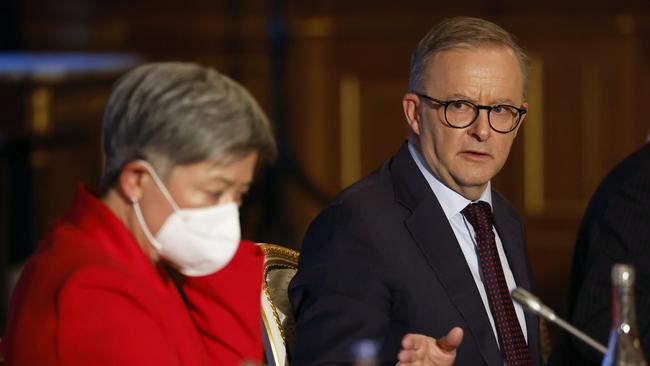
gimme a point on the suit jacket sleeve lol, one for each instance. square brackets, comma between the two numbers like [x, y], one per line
[620, 233]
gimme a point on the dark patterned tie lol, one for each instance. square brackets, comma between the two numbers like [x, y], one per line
[511, 338]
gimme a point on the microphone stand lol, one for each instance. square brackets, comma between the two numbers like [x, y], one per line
[532, 304]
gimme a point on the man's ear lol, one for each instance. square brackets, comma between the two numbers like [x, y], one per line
[131, 180]
[523, 118]
[410, 103]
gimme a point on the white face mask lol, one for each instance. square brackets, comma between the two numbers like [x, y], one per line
[197, 241]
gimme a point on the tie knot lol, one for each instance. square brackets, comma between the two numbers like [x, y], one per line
[479, 214]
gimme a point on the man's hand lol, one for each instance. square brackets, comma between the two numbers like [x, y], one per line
[420, 350]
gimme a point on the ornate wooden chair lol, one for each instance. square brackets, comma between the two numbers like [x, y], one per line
[280, 264]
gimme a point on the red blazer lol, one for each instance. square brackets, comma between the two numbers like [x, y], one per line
[90, 296]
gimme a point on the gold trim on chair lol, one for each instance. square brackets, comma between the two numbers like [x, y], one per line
[277, 257]
[267, 327]
[276, 317]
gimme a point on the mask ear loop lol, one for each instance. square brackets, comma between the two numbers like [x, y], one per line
[143, 224]
[160, 184]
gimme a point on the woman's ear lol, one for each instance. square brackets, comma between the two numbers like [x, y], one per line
[410, 102]
[131, 180]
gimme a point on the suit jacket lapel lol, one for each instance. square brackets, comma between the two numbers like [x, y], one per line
[510, 233]
[436, 240]
[509, 230]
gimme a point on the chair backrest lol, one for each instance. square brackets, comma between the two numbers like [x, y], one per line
[280, 265]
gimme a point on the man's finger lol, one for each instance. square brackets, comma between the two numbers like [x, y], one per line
[406, 356]
[412, 341]
[452, 340]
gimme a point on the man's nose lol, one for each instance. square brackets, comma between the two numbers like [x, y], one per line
[481, 127]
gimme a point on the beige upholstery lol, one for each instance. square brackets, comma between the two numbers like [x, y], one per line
[280, 264]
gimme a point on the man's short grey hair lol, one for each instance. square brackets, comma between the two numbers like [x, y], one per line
[174, 113]
[461, 32]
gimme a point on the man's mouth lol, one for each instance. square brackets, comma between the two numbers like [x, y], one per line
[475, 155]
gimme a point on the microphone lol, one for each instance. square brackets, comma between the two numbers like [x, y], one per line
[532, 304]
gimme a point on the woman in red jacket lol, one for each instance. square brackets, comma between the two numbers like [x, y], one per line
[182, 143]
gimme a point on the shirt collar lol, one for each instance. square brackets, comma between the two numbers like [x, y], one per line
[452, 202]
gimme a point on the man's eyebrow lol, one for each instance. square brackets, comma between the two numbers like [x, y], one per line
[459, 96]
[504, 101]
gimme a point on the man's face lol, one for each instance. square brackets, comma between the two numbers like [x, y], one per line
[465, 159]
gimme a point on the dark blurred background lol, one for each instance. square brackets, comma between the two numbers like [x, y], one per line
[330, 75]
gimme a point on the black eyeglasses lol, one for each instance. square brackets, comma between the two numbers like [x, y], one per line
[503, 118]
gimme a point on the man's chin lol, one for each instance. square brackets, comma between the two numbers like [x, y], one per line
[475, 175]
[473, 183]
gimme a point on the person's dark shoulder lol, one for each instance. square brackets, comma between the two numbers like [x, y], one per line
[635, 165]
[371, 190]
[358, 214]
[634, 169]
[369, 201]
[360, 223]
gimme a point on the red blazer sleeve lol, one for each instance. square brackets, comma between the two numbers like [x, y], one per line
[90, 296]
[106, 319]
[226, 308]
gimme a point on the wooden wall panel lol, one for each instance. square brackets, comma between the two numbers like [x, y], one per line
[594, 72]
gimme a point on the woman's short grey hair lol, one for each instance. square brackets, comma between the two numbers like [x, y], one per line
[461, 32]
[176, 113]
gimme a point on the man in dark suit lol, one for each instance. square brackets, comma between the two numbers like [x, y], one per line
[423, 245]
[615, 229]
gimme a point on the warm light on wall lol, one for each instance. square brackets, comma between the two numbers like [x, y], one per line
[350, 129]
[41, 101]
[591, 159]
[534, 140]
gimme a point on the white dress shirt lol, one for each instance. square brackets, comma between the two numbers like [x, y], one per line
[452, 204]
